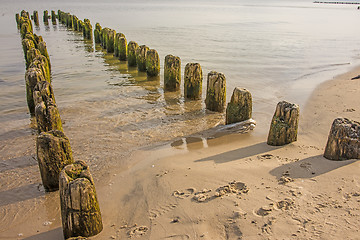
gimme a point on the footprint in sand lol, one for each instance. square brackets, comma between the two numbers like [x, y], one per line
[161, 210]
[285, 204]
[137, 231]
[184, 194]
[263, 211]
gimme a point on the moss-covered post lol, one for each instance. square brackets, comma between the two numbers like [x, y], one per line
[59, 14]
[31, 55]
[36, 18]
[43, 50]
[122, 48]
[53, 17]
[172, 73]
[284, 124]
[80, 211]
[42, 63]
[27, 45]
[116, 43]
[344, 140]
[240, 106]
[42, 91]
[152, 63]
[32, 77]
[131, 53]
[216, 92]
[87, 29]
[53, 154]
[141, 57]
[110, 40]
[97, 32]
[193, 78]
[47, 116]
[25, 29]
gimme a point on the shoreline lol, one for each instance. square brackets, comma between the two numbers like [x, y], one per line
[279, 192]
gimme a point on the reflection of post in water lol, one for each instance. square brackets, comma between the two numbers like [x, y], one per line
[89, 47]
[190, 143]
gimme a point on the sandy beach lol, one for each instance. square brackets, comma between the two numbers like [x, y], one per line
[207, 185]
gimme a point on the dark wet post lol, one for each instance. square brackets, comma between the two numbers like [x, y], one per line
[76, 23]
[87, 29]
[131, 53]
[32, 77]
[53, 17]
[240, 106]
[46, 16]
[141, 57]
[97, 32]
[80, 211]
[284, 125]
[122, 48]
[216, 92]
[193, 78]
[17, 17]
[36, 18]
[344, 140]
[172, 73]
[59, 15]
[53, 154]
[152, 63]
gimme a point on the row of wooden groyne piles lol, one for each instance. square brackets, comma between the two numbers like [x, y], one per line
[80, 210]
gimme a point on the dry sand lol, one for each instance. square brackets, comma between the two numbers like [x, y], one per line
[228, 187]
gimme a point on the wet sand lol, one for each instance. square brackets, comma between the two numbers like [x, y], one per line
[206, 185]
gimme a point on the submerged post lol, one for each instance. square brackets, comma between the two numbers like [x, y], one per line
[46, 16]
[152, 63]
[344, 140]
[216, 92]
[240, 106]
[80, 211]
[131, 53]
[284, 124]
[36, 18]
[172, 73]
[141, 57]
[53, 154]
[193, 78]
[53, 17]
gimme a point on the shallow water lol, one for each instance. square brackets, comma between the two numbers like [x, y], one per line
[276, 49]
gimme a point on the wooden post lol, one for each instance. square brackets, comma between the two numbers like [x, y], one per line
[131, 53]
[122, 49]
[172, 73]
[31, 55]
[53, 17]
[42, 63]
[216, 92]
[193, 78]
[344, 140]
[27, 45]
[80, 211]
[97, 32]
[36, 18]
[141, 57]
[152, 63]
[46, 16]
[116, 43]
[87, 29]
[240, 106]
[43, 50]
[284, 125]
[32, 77]
[53, 154]
[110, 40]
[17, 17]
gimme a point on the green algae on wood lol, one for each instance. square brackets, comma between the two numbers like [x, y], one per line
[152, 63]
[53, 154]
[47, 116]
[80, 211]
[344, 140]
[193, 78]
[42, 91]
[32, 77]
[43, 50]
[97, 32]
[131, 53]
[87, 31]
[17, 18]
[240, 106]
[31, 55]
[122, 49]
[284, 124]
[216, 92]
[172, 73]
[46, 16]
[141, 57]
[42, 63]
[27, 45]
[110, 40]
[116, 43]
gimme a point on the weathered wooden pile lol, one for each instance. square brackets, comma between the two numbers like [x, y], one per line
[79, 206]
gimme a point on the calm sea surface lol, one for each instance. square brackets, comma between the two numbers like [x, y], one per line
[278, 49]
